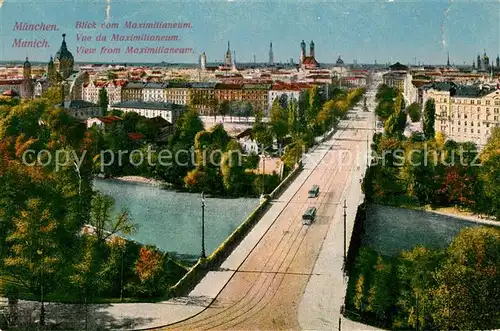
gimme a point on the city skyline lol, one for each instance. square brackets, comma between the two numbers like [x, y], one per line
[367, 32]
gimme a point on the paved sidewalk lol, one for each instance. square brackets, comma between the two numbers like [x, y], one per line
[325, 292]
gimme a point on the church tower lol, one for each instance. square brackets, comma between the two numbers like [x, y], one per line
[27, 69]
[203, 61]
[64, 61]
[51, 70]
[234, 62]
[271, 54]
[311, 49]
[27, 84]
[448, 61]
[486, 61]
[302, 51]
[228, 61]
[479, 63]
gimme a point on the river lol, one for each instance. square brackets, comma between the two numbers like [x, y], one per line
[172, 221]
[391, 230]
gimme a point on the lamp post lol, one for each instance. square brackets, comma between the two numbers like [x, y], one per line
[345, 234]
[203, 226]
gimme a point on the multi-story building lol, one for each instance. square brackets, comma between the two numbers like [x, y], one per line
[466, 113]
[133, 91]
[395, 80]
[154, 92]
[292, 91]
[228, 92]
[41, 85]
[82, 110]
[91, 91]
[257, 95]
[200, 94]
[178, 93]
[113, 89]
[168, 111]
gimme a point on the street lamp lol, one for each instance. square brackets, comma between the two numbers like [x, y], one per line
[345, 236]
[203, 226]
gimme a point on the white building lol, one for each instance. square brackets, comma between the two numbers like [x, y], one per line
[466, 113]
[113, 89]
[167, 111]
[292, 91]
[154, 92]
[81, 109]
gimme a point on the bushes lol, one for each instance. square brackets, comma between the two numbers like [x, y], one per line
[456, 288]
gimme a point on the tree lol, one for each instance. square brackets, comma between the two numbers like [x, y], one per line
[53, 95]
[293, 153]
[261, 133]
[103, 101]
[34, 257]
[104, 225]
[314, 106]
[414, 112]
[233, 169]
[429, 118]
[468, 286]
[278, 121]
[85, 277]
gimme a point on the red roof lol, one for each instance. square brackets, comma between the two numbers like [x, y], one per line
[136, 136]
[10, 93]
[109, 119]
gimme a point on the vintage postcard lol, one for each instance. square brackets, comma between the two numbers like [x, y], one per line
[249, 165]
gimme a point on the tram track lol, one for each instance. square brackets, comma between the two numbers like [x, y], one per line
[259, 294]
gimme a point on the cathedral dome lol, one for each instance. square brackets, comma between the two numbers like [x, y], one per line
[63, 53]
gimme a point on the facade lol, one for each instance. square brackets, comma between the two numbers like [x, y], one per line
[91, 91]
[228, 92]
[168, 111]
[133, 91]
[292, 91]
[202, 92]
[41, 85]
[113, 88]
[154, 92]
[81, 110]
[178, 93]
[74, 86]
[466, 113]
[257, 95]
[395, 80]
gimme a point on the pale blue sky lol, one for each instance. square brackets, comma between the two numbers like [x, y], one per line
[363, 30]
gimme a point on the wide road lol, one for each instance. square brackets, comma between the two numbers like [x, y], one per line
[266, 290]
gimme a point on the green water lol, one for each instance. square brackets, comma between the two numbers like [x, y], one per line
[391, 230]
[172, 221]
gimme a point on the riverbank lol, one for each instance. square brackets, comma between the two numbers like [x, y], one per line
[464, 215]
[140, 180]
